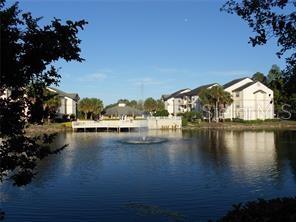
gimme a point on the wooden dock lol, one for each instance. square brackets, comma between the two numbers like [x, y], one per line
[109, 125]
[128, 125]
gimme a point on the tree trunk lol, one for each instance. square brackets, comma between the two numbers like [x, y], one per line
[216, 112]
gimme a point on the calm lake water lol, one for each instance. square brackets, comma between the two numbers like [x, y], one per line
[195, 174]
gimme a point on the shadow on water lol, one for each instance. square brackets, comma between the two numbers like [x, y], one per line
[152, 210]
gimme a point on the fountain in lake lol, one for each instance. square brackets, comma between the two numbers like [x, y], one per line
[144, 140]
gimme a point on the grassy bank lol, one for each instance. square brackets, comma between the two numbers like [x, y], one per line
[49, 128]
[281, 124]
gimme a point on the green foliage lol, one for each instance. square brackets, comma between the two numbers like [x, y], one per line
[259, 76]
[133, 103]
[150, 105]
[275, 19]
[215, 100]
[257, 121]
[160, 105]
[279, 209]
[268, 18]
[51, 104]
[27, 54]
[161, 113]
[72, 117]
[184, 122]
[126, 101]
[90, 107]
[277, 82]
[191, 116]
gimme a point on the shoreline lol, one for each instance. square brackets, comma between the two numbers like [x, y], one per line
[269, 125]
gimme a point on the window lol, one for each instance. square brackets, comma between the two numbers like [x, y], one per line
[237, 94]
[237, 106]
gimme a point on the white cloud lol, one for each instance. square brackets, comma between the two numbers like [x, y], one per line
[97, 76]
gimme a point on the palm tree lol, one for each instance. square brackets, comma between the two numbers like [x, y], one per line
[216, 99]
[52, 104]
[84, 107]
[96, 106]
[90, 106]
[150, 105]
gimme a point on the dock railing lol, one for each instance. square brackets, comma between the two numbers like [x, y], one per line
[158, 122]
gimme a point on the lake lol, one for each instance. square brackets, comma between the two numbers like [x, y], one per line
[193, 176]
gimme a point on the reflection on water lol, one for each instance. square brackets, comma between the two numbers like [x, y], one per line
[199, 174]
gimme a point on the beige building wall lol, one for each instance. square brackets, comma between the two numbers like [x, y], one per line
[251, 103]
[258, 102]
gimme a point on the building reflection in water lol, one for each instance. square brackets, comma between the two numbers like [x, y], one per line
[251, 154]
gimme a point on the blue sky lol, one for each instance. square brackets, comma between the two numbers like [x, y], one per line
[140, 49]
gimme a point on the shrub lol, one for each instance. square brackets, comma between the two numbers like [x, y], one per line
[237, 120]
[192, 116]
[72, 117]
[184, 121]
[161, 113]
[279, 209]
[65, 117]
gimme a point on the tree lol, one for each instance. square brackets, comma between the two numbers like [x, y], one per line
[160, 105]
[215, 101]
[125, 101]
[268, 19]
[140, 105]
[90, 107]
[259, 76]
[96, 107]
[27, 54]
[275, 75]
[275, 81]
[51, 105]
[133, 103]
[150, 105]
[273, 19]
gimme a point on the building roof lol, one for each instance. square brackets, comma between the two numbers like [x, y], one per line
[73, 96]
[226, 85]
[243, 87]
[165, 96]
[122, 111]
[197, 90]
[175, 94]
